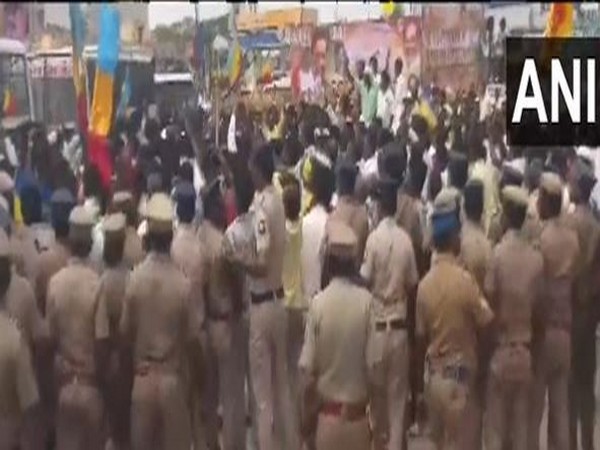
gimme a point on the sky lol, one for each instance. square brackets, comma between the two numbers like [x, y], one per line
[166, 13]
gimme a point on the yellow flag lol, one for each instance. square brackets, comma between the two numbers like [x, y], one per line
[102, 104]
[388, 8]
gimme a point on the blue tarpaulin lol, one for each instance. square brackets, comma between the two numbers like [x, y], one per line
[265, 40]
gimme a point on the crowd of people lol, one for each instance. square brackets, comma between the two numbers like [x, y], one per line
[344, 275]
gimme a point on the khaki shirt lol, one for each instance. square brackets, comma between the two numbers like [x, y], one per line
[353, 214]
[270, 239]
[111, 295]
[27, 244]
[475, 251]
[335, 342]
[532, 226]
[408, 216]
[514, 285]
[50, 262]
[133, 252]
[158, 318]
[74, 317]
[587, 228]
[21, 306]
[18, 388]
[223, 282]
[189, 254]
[450, 310]
[390, 268]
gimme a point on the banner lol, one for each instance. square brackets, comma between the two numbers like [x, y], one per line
[452, 42]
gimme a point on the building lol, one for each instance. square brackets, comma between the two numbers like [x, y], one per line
[134, 19]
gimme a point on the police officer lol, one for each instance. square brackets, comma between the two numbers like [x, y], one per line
[111, 294]
[133, 252]
[50, 262]
[347, 208]
[18, 389]
[513, 285]
[585, 310]
[334, 358]
[552, 349]
[76, 323]
[159, 326]
[268, 352]
[450, 312]
[188, 253]
[390, 270]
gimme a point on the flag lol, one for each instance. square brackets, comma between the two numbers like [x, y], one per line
[125, 95]
[560, 21]
[235, 58]
[78, 33]
[9, 108]
[102, 101]
[559, 25]
[388, 8]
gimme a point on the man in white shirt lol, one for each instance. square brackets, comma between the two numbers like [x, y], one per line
[321, 186]
[385, 101]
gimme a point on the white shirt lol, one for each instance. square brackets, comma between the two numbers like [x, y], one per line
[368, 167]
[313, 232]
[231, 145]
[400, 90]
[385, 107]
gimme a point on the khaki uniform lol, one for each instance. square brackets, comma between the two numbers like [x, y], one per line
[133, 253]
[353, 214]
[268, 328]
[335, 358]
[160, 323]
[409, 212]
[450, 310]
[228, 329]
[552, 354]
[18, 390]
[28, 243]
[585, 320]
[76, 322]
[188, 254]
[391, 270]
[532, 226]
[20, 304]
[50, 262]
[513, 286]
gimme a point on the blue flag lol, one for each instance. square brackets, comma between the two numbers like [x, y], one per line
[125, 95]
[109, 40]
[78, 27]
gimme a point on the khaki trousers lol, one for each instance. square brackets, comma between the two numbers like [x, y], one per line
[451, 409]
[335, 433]
[79, 418]
[275, 412]
[389, 356]
[226, 376]
[295, 340]
[551, 375]
[160, 416]
[507, 411]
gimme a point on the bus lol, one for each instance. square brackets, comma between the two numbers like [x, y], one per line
[54, 90]
[173, 91]
[15, 86]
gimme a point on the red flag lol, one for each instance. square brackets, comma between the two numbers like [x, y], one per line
[99, 155]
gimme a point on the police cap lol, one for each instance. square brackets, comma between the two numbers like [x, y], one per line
[159, 213]
[81, 222]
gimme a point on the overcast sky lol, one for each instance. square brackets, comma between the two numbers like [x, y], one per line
[165, 13]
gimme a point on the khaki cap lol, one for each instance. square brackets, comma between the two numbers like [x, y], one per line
[81, 222]
[6, 182]
[446, 201]
[114, 225]
[551, 183]
[341, 240]
[5, 248]
[159, 213]
[122, 199]
[516, 195]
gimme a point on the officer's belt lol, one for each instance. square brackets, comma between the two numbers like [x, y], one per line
[219, 316]
[457, 372]
[73, 373]
[392, 324]
[563, 325]
[524, 344]
[268, 296]
[144, 368]
[347, 411]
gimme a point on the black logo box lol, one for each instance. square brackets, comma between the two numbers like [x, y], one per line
[529, 131]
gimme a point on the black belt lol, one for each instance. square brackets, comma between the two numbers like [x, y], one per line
[258, 298]
[394, 324]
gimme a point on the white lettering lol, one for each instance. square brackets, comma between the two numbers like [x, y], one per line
[559, 83]
[524, 101]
